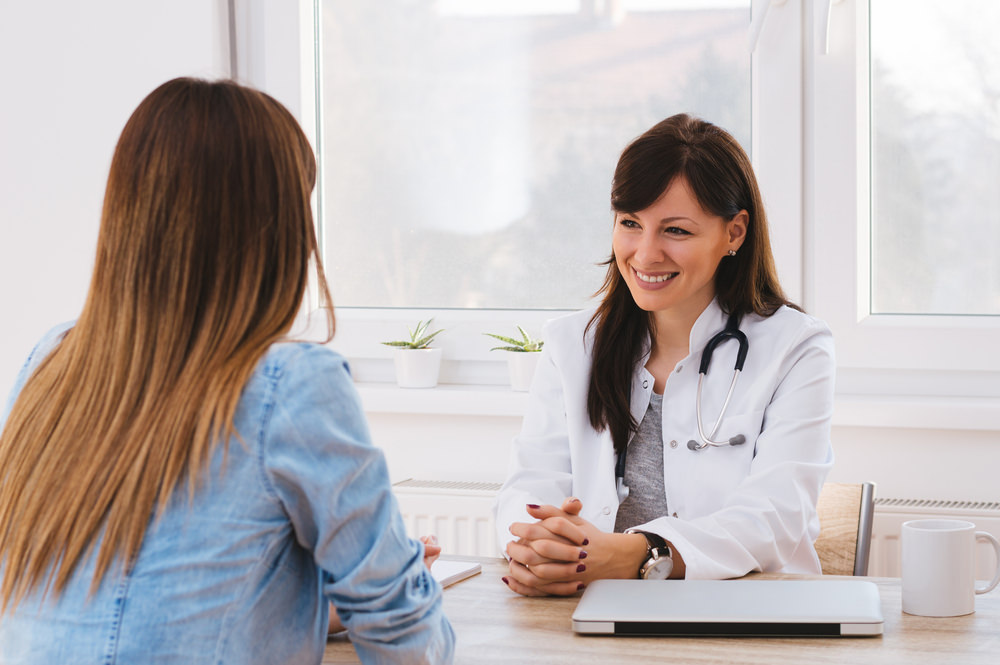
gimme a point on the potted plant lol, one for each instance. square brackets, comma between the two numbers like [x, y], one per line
[522, 357]
[417, 365]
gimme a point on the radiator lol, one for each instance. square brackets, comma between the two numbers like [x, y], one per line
[460, 514]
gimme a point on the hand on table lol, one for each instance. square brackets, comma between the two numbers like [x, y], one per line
[562, 552]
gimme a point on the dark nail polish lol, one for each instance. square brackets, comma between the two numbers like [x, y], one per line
[505, 581]
[586, 541]
[581, 586]
[583, 555]
[533, 505]
[581, 568]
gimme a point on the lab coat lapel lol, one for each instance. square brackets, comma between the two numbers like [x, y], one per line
[642, 387]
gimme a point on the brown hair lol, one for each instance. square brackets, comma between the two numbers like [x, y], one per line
[722, 179]
[202, 263]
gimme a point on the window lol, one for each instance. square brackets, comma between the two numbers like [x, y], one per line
[935, 148]
[857, 189]
[552, 90]
[468, 149]
[902, 222]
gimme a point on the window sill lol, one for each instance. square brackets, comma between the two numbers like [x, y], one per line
[907, 412]
[445, 399]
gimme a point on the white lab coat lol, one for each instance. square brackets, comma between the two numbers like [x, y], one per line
[733, 509]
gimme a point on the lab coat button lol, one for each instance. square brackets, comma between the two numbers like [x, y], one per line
[645, 384]
[607, 510]
[679, 368]
[673, 444]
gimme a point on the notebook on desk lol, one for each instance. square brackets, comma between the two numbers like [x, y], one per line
[732, 608]
[449, 571]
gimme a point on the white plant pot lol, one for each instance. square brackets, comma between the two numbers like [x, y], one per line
[417, 368]
[522, 368]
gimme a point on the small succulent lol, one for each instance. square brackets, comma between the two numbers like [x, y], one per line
[525, 344]
[419, 337]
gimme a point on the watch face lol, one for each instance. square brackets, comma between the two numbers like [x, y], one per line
[659, 569]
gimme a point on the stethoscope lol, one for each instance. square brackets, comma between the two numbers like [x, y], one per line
[731, 331]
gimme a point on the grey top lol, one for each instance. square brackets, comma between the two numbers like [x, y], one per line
[646, 498]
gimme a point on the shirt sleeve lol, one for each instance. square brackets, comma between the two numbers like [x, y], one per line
[540, 468]
[769, 521]
[335, 487]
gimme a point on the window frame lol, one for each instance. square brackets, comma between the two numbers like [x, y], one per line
[941, 354]
[776, 112]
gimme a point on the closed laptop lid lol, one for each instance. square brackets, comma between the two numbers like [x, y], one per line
[752, 608]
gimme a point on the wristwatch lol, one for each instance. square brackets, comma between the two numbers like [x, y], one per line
[658, 564]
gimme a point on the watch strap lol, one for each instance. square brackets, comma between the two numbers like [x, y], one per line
[656, 549]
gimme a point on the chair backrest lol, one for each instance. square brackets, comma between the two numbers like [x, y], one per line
[845, 527]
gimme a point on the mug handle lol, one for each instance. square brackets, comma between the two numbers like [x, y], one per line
[982, 535]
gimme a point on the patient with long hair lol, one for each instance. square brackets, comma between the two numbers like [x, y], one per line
[180, 481]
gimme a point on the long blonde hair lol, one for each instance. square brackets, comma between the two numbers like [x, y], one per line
[202, 262]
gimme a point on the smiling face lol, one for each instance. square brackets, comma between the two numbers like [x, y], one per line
[669, 252]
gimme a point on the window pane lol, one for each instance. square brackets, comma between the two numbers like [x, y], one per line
[935, 72]
[468, 146]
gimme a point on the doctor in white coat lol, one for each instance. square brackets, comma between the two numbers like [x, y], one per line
[613, 475]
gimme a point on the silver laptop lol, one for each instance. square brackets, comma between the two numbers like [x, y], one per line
[732, 608]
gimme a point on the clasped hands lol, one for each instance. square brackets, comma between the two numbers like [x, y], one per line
[562, 552]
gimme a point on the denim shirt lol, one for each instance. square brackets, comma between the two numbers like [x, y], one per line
[300, 513]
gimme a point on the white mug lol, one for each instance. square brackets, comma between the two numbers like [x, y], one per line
[939, 558]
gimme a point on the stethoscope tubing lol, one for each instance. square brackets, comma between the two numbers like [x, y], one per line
[709, 440]
[731, 331]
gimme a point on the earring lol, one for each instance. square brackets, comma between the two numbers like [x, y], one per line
[732, 252]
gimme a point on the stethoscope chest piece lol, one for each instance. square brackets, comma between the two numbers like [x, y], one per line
[734, 441]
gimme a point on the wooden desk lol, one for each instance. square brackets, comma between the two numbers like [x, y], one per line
[494, 625]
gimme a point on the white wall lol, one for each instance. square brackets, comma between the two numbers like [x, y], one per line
[72, 73]
[920, 463]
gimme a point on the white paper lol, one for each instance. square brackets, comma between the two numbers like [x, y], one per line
[448, 572]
